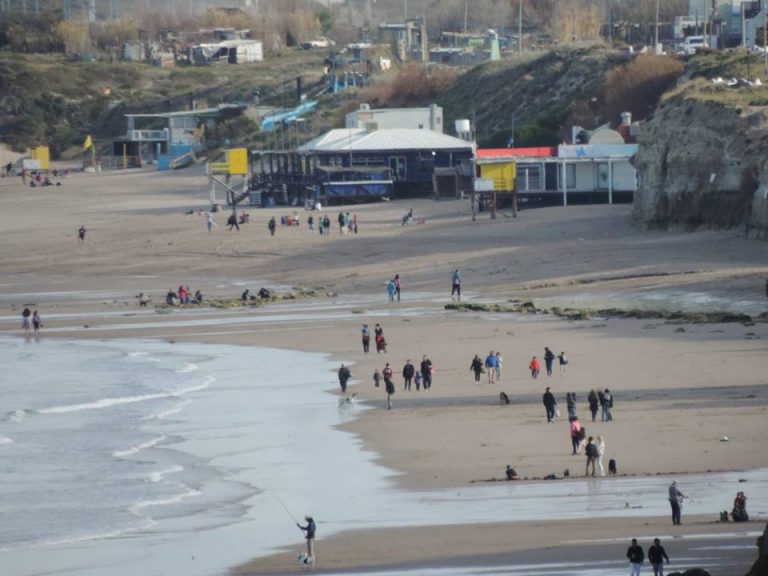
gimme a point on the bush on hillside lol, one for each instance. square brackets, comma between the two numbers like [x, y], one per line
[31, 33]
[638, 85]
[413, 86]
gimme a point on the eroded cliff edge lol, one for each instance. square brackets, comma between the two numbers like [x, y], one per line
[704, 162]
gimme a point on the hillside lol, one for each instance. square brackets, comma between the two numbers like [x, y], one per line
[47, 99]
[539, 92]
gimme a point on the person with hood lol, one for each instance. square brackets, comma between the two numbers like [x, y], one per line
[310, 529]
[344, 376]
[656, 556]
[550, 404]
[408, 372]
[456, 285]
[477, 367]
[549, 359]
[636, 557]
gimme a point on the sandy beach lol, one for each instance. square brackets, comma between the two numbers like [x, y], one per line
[679, 387]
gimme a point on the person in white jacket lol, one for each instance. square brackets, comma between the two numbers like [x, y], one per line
[600, 454]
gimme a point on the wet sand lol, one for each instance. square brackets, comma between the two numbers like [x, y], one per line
[678, 387]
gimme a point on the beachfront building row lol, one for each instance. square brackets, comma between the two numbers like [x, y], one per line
[358, 165]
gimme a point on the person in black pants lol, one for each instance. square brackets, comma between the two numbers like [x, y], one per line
[676, 502]
[408, 372]
[477, 368]
[550, 404]
[549, 359]
[426, 372]
[656, 556]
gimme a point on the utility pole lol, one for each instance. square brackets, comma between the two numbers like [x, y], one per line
[765, 38]
[656, 33]
[520, 28]
[466, 14]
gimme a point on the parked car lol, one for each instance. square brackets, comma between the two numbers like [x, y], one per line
[691, 45]
[319, 42]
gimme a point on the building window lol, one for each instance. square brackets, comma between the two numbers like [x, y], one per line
[602, 176]
[570, 176]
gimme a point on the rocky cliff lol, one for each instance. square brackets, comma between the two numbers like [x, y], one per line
[704, 161]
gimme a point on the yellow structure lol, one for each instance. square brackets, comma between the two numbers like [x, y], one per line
[43, 155]
[235, 163]
[503, 175]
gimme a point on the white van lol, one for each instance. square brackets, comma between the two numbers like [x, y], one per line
[691, 45]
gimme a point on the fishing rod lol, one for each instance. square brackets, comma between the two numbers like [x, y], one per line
[282, 504]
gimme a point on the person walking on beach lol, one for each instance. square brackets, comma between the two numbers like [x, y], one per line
[570, 402]
[417, 380]
[563, 361]
[388, 384]
[534, 367]
[549, 359]
[426, 372]
[209, 221]
[378, 336]
[310, 529]
[81, 234]
[344, 376]
[656, 556]
[36, 322]
[600, 454]
[550, 404]
[456, 285]
[490, 367]
[376, 377]
[607, 405]
[499, 360]
[25, 315]
[398, 285]
[391, 290]
[232, 222]
[594, 403]
[477, 367]
[272, 225]
[636, 557]
[676, 503]
[592, 455]
[575, 435]
[408, 372]
[366, 335]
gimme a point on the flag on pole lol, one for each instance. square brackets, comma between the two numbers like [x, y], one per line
[88, 142]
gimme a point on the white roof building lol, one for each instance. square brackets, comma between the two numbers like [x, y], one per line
[399, 139]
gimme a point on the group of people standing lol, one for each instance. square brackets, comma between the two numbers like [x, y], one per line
[421, 378]
[491, 366]
[549, 363]
[393, 288]
[378, 336]
[656, 556]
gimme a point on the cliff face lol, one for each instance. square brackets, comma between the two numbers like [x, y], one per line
[703, 163]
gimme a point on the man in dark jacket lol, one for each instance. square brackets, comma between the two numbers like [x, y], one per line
[550, 404]
[636, 557]
[344, 376]
[408, 372]
[426, 372]
[656, 556]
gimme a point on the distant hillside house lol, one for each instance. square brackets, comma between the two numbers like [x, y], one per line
[430, 118]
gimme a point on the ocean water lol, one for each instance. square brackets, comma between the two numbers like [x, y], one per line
[145, 457]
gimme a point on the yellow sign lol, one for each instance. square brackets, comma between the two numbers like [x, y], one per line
[88, 142]
[235, 163]
[503, 175]
[43, 156]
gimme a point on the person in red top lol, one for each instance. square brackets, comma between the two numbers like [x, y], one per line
[534, 367]
[575, 434]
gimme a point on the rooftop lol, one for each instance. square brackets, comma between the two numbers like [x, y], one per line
[360, 139]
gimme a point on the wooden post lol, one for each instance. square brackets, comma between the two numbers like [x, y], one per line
[125, 156]
[493, 204]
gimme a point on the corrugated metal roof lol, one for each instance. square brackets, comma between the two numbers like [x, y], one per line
[361, 140]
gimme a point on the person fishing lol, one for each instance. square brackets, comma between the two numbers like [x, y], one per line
[310, 529]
